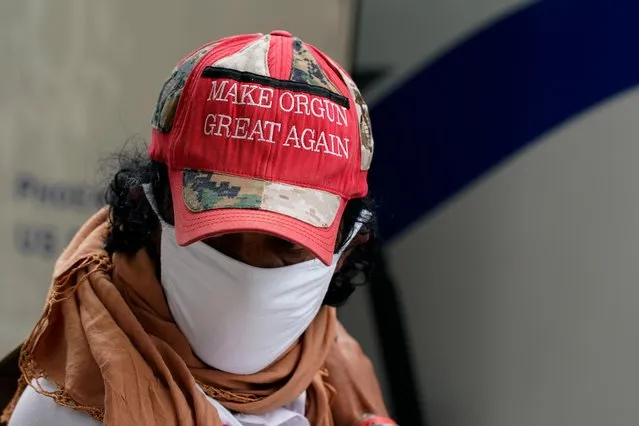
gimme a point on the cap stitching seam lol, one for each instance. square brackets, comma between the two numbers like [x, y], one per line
[280, 224]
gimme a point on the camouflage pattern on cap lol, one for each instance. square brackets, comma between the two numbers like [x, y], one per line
[164, 112]
[252, 58]
[306, 69]
[365, 128]
[205, 191]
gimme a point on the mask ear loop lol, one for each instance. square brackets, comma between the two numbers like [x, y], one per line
[148, 192]
[364, 216]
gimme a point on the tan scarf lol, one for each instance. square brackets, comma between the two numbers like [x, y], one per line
[109, 343]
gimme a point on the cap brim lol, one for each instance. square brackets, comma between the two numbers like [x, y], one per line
[193, 226]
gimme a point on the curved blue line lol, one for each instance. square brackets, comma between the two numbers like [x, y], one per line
[492, 95]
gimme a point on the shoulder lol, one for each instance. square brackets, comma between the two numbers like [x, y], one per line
[34, 409]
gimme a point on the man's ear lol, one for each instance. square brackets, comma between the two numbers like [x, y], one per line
[359, 239]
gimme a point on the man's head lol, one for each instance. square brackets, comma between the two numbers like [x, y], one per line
[260, 148]
[262, 135]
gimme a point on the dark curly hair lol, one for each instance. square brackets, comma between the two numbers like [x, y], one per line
[135, 224]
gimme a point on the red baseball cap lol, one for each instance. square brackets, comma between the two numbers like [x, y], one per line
[262, 133]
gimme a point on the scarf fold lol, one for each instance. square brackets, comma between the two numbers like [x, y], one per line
[108, 341]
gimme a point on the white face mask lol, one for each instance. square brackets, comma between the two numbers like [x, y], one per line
[239, 318]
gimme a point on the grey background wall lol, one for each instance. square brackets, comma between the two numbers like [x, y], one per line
[519, 289]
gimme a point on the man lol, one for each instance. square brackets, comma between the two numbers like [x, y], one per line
[202, 295]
